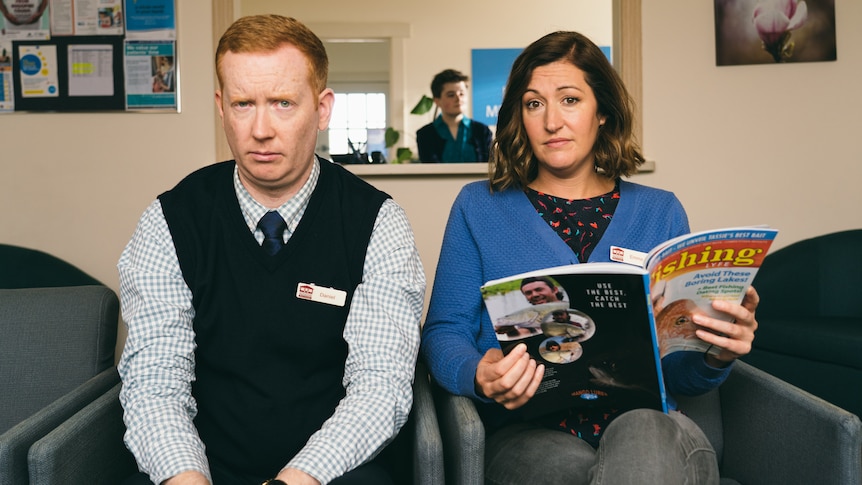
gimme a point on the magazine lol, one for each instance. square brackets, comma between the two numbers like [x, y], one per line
[688, 272]
[600, 329]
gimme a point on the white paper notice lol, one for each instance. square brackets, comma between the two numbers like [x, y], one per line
[91, 70]
[38, 67]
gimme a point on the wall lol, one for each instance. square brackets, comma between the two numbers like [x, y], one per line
[74, 185]
[748, 144]
[771, 144]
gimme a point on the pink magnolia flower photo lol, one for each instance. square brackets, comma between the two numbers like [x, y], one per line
[774, 31]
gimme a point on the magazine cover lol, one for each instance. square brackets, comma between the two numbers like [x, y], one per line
[689, 272]
[592, 327]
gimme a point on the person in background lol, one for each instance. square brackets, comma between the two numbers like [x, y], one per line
[557, 196]
[452, 136]
[236, 278]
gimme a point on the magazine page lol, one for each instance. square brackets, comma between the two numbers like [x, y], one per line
[591, 326]
[689, 272]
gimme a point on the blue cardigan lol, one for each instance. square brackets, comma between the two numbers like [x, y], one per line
[494, 235]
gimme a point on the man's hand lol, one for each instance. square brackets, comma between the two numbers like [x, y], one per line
[511, 380]
[292, 476]
[734, 338]
[187, 478]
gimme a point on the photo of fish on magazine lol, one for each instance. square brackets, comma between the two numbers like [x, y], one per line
[591, 326]
[689, 272]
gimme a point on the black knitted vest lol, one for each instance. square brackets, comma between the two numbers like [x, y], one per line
[268, 364]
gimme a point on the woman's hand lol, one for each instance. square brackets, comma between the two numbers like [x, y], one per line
[510, 380]
[733, 338]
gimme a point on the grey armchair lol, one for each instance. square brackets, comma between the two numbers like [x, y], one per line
[427, 444]
[810, 317]
[88, 447]
[416, 455]
[56, 355]
[764, 430]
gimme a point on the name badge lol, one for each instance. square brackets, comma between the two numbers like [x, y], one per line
[312, 292]
[629, 256]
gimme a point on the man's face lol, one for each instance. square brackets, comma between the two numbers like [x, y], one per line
[271, 116]
[453, 98]
[539, 292]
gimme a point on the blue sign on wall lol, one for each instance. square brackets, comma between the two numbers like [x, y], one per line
[490, 71]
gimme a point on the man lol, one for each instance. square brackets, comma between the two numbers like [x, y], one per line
[452, 137]
[236, 280]
[539, 290]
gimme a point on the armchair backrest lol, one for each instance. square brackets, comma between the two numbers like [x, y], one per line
[51, 341]
[31, 268]
[821, 276]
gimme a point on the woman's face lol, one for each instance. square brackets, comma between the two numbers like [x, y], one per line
[561, 118]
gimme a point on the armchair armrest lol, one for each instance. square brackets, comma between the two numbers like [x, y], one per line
[427, 444]
[15, 443]
[87, 448]
[773, 429]
[463, 435]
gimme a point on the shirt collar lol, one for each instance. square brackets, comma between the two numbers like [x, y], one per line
[443, 129]
[438, 122]
[291, 211]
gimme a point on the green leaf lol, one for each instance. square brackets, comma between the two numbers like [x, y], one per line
[403, 154]
[423, 106]
[391, 137]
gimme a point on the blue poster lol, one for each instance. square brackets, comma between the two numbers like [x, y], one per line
[490, 72]
[149, 15]
[150, 75]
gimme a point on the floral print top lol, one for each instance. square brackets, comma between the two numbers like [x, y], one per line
[579, 222]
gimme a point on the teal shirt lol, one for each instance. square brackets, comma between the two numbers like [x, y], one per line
[459, 148]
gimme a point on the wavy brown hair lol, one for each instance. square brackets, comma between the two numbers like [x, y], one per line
[267, 33]
[616, 152]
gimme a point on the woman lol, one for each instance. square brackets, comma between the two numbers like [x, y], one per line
[555, 196]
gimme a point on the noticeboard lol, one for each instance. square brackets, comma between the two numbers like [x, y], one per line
[79, 55]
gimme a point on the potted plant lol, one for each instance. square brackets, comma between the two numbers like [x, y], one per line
[392, 135]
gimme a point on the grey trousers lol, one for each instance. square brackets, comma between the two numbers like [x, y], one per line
[642, 446]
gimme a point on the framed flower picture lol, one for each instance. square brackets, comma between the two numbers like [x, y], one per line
[774, 31]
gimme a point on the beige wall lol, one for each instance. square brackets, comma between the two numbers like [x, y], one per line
[74, 185]
[771, 144]
[739, 145]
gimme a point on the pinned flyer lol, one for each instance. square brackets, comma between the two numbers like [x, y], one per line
[312, 292]
[38, 68]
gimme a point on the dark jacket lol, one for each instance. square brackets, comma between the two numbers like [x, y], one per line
[431, 144]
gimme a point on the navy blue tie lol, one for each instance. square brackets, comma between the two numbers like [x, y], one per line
[273, 227]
